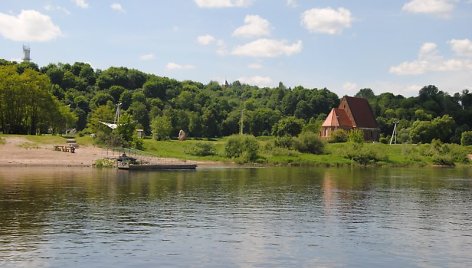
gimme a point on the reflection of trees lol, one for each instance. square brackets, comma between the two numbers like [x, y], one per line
[37, 204]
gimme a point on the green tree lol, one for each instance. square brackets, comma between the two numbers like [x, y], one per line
[161, 127]
[288, 126]
[466, 138]
[26, 105]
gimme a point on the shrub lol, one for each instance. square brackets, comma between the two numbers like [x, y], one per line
[443, 160]
[284, 142]
[364, 155]
[104, 163]
[202, 149]
[339, 135]
[466, 138]
[309, 142]
[244, 147]
[356, 136]
[384, 140]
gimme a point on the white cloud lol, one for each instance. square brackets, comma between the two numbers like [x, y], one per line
[254, 26]
[221, 48]
[81, 3]
[223, 3]
[205, 39]
[50, 7]
[117, 7]
[429, 60]
[268, 48]
[29, 25]
[147, 57]
[175, 66]
[327, 20]
[350, 87]
[462, 47]
[255, 66]
[261, 81]
[292, 3]
[436, 7]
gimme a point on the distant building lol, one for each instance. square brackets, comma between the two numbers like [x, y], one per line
[352, 113]
[140, 133]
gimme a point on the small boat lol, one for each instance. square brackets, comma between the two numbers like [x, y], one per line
[131, 163]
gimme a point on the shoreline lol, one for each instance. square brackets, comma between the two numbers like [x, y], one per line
[20, 152]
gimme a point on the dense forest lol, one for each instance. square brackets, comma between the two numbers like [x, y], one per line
[58, 97]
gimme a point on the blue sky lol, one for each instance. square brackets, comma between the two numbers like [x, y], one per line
[396, 45]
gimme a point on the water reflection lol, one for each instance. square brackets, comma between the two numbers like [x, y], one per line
[236, 217]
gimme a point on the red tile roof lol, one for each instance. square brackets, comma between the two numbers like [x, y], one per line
[337, 118]
[361, 112]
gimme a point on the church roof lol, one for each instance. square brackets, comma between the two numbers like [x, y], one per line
[361, 112]
[337, 118]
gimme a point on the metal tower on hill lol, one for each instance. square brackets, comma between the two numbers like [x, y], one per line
[26, 53]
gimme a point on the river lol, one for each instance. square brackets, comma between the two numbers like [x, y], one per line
[236, 217]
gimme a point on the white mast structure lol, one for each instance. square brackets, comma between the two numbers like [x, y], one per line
[393, 139]
[26, 53]
[116, 120]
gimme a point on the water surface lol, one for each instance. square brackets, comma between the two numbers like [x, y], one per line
[267, 217]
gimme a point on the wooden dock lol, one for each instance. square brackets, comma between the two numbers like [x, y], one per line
[158, 167]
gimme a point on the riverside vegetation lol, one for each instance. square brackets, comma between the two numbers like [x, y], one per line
[305, 150]
[282, 124]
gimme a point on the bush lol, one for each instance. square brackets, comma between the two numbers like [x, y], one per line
[339, 135]
[466, 138]
[309, 142]
[284, 142]
[364, 155]
[356, 136]
[384, 140]
[443, 160]
[104, 163]
[202, 149]
[243, 147]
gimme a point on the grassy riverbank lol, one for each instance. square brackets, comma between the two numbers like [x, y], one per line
[335, 154]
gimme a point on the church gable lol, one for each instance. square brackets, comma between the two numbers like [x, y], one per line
[352, 113]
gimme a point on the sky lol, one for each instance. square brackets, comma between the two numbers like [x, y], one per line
[395, 46]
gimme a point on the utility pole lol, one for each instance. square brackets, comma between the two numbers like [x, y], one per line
[241, 122]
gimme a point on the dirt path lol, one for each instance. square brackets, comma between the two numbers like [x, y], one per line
[19, 151]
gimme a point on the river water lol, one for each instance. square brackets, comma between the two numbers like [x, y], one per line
[266, 217]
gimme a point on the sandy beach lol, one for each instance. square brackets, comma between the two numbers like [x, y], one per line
[18, 151]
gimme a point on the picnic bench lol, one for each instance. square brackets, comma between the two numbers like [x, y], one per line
[64, 148]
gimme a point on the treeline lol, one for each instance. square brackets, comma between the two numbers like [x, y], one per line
[162, 106]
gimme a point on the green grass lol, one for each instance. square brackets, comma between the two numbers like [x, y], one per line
[33, 140]
[392, 155]
[177, 149]
[45, 139]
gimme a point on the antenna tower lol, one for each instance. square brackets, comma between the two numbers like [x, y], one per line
[26, 53]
